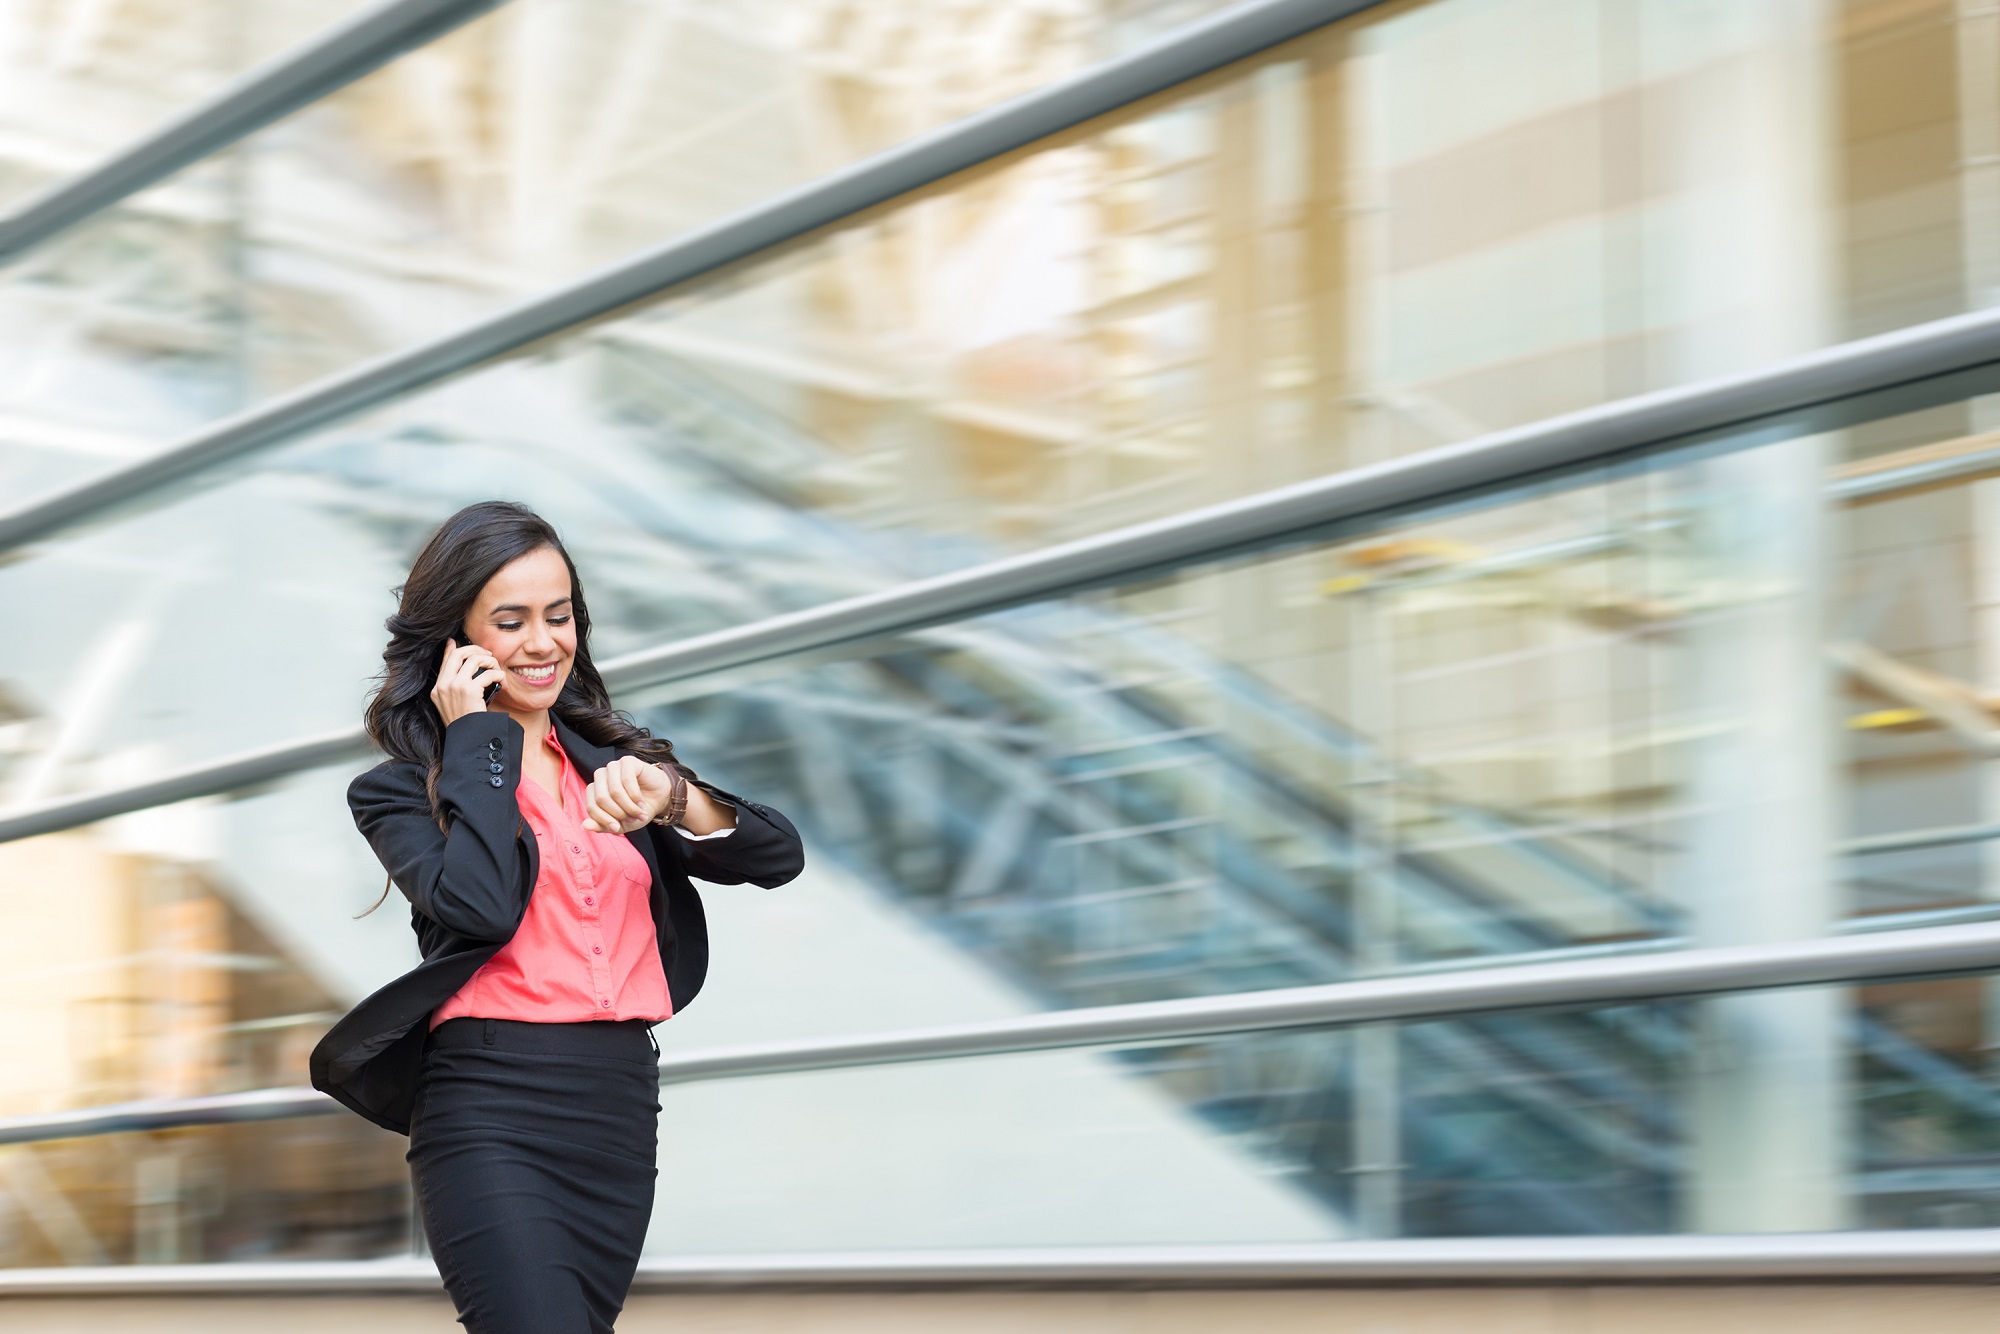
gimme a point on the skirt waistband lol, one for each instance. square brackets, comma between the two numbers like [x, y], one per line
[621, 1039]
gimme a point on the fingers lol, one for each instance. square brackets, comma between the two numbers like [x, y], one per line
[462, 679]
[614, 800]
[597, 812]
[621, 787]
[472, 659]
[464, 665]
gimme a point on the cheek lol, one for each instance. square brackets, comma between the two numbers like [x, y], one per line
[494, 642]
[566, 641]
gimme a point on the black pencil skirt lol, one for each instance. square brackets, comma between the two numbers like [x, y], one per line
[532, 1150]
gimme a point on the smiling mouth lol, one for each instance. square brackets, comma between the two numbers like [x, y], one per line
[535, 676]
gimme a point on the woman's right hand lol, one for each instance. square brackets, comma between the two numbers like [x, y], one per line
[462, 681]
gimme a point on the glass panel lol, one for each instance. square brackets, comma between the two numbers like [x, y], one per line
[820, 426]
[79, 82]
[1279, 273]
[203, 948]
[1629, 1119]
[1911, 637]
[320, 1188]
[533, 144]
[194, 949]
[1582, 713]
[1736, 694]
[1611, 1120]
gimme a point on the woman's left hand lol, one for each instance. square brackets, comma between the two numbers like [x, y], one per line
[625, 795]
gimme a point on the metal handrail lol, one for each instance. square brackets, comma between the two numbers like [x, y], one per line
[1911, 840]
[1595, 981]
[229, 775]
[215, 1109]
[272, 91]
[1187, 53]
[1964, 1254]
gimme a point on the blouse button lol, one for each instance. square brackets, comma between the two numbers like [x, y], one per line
[605, 1003]
[574, 848]
[597, 949]
[589, 900]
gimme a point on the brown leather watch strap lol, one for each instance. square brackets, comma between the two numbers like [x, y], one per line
[677, 800]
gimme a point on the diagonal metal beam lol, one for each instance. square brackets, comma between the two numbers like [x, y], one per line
[1599, 980]
[1613, 979]
[1187, 53]
[268, 93]
[231, 775]
[213, 1109]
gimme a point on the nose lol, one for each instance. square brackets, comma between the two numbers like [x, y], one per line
[540, 642]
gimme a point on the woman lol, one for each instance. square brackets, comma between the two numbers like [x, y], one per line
[545, 844]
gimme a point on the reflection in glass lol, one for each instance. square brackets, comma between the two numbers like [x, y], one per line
[1740, 697]
[533, 144]
[136, 966]
[1534, 1124]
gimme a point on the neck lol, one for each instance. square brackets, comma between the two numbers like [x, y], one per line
[535, 724]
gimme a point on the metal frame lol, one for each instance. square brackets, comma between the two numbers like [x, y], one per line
[1966, 1254]
[1284, 515]
[1185, 54]
[1599, 980]
[268, 93]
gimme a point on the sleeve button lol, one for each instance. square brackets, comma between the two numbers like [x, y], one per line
[495, 780]
[496, 768]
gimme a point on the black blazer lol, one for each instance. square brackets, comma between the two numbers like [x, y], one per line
[468, 890]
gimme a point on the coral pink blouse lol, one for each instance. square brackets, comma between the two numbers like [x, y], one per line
[587, 947]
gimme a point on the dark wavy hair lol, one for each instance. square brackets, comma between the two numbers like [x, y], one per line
[468, 549]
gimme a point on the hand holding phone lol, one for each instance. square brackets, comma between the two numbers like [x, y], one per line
[468, 677]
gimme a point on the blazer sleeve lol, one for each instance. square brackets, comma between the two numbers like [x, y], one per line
[472, 877]
[764, 849]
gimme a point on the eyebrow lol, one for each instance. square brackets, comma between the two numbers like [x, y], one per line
[517, 606]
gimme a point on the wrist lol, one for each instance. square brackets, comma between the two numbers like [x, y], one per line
[677, 796]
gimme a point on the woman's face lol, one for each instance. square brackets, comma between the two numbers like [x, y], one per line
[523, 618]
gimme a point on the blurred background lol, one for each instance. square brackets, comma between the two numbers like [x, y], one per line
[1735, 691]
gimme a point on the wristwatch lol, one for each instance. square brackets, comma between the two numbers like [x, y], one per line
[677, 800]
